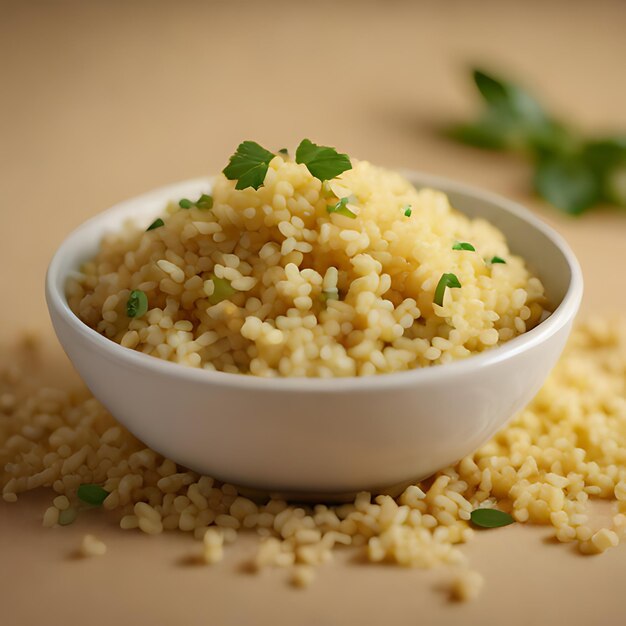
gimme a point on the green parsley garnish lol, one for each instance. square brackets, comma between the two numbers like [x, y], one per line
[490, 518]
[446, 280]
[67, 516]
[248, 165]
[158, 222]
[137, 304]
[330, 295]
[407, 210]
[203, 202]
[341, 209]
[463, 245]
[222, 290]
[323, 162]
[92, 494]
[572, 172]
[496, 259]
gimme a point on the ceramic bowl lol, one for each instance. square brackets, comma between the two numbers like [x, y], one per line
[332, 436]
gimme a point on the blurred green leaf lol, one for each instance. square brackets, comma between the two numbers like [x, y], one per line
[567, 183]
[614, 187]
[508, 97]
[572, 173]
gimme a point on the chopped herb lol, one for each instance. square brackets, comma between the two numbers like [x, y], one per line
[463, 245]
[137, 304]
[490, 518]
[330, 295]
[67, 516]
[446, 280]
[92, 494]
[496, 259]
[158, 222]
[323, 162]
[204, 202]
[407, 210]
[221, 291]
[284, 151]
[341, 209]
[248, 165]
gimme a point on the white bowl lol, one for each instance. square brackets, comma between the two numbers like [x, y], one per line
[301, 435]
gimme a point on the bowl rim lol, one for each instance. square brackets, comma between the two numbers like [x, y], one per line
[562, 315]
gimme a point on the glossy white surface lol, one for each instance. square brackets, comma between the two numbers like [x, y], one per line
[318, 435]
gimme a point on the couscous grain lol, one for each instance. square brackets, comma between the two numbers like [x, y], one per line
[304, 278]
[566, 449]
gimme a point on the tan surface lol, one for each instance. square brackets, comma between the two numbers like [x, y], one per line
[102, 101]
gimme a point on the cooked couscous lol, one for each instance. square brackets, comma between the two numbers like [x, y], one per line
[298, 275]
[566, 449]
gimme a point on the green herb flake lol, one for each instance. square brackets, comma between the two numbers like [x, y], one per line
[463, 245]
[323, 162]
[490, 518]
[284, 151]
[407, 210]
[446, 280]
[330, 295]
[248, 165]
[156, 224]
[496, 259]
[92, 494]
[204, 202]
[137, 304]
[68, 516]
[221, 291]
[341, 209]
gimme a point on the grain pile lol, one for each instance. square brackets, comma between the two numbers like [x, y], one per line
[304, 278]
[565, 450]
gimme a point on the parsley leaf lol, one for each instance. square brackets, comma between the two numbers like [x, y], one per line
[341, 209]
[490, 518]
[407, 210]
[221, 291]
[496, 259]
[323, 162]
[567, 183]
[248, 165]
[463, 245]
[572, 172]
[137, 304]
[92, 494]
[203, 202]
[158, 222]
[446, 280]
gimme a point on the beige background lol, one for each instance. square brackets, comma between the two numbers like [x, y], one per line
[101, 101]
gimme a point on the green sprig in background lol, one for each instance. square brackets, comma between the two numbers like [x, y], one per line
[573, 172]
